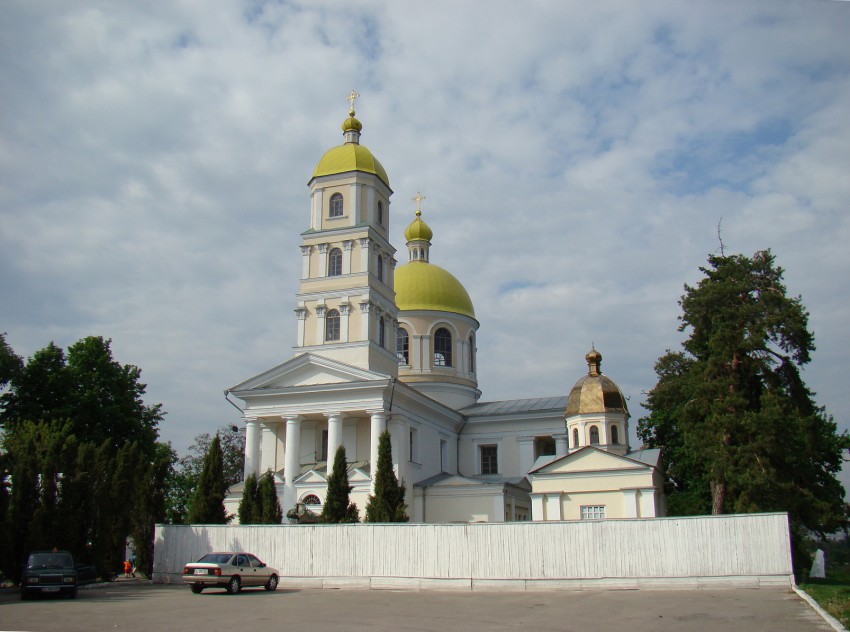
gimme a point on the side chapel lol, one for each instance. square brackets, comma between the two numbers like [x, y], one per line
[386, 347]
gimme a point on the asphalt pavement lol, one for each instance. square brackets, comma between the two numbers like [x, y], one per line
[137, 604]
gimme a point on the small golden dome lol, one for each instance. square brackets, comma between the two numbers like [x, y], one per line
[595, 393]
[351, 123]
[418, 230]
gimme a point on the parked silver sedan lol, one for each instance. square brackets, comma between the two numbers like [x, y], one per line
[231, 571]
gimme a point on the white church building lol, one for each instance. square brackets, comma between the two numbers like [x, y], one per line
[386, 347]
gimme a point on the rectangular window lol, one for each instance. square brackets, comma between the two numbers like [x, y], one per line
[593, 512]
[489, 459]
[414, 445]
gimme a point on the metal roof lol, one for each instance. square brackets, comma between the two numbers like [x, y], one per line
[512, 406]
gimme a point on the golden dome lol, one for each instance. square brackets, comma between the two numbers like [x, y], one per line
[350, 157]
[418, 230]
[420, 285]
[595, 393]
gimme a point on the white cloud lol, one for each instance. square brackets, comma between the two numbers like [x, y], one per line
[577, 161]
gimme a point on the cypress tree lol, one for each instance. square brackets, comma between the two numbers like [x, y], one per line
[249, 510]
[208, 500]
[337, 507]
[387, 504]
[269, 504]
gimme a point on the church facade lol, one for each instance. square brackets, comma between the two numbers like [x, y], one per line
[381, 346]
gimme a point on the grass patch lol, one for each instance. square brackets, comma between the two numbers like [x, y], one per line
[832, 593]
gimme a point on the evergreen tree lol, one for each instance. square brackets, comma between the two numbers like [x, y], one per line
[337, 507]
[208, 500]
[150, 504]
[249, 509]
[739, 429]
[387, 504]
[270, 510]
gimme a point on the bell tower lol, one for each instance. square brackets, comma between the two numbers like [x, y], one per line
[346, 300]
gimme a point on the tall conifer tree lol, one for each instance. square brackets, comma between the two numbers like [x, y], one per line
[337, 507]
[387, 504]
[208, 501]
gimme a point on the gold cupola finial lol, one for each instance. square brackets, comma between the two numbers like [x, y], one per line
[351, 98]
[351, 126]
[418, 199]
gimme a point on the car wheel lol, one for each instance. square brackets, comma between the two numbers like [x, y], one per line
[72, 595]
[25, 596]
[272, 583]
[197, 589]
[234, 586]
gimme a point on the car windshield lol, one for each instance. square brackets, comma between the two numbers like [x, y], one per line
[216, 558]
[50, 560]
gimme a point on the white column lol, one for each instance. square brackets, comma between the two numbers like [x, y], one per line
[323, 260]
[355, 202]
[647, 502]
[553, 506]
[379, 424]
[346, 256]
[301, 315]
[252, 446]
[537, 507]
[396, 428]
[365, 319]
[391, 280]
[292, 460]
[334, 435]
[268, 454]
[318, 203]
[562, 445]
[305, 261]
[425, 355]
[371, 206]
[344, 310]
[320, 324]
[526, 454]
[365, 247]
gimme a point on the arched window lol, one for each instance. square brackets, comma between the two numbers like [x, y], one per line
[332, 325]
[402, 346]
[442, 347]
[575, 437]
[380, 268]
[615, 435]
[336, 205]
[335, 262]
[380, 214]
[312, 499]
[382, 328]
[471, 353]
[594, 435]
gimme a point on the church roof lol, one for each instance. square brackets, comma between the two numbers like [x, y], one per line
[420, 285]
[511, 406]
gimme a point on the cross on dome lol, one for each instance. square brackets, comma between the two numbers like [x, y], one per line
[418, 199]
[351, 98]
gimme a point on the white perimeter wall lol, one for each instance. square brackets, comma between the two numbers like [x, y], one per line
[749, 549]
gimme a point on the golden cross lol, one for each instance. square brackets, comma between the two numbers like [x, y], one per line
[350, 98]
[418, 199]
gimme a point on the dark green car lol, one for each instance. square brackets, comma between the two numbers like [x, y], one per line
[49, 573]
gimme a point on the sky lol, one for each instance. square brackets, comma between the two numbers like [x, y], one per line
[580, 161]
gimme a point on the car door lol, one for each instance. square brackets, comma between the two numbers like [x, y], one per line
[243, 566]
[259, 571]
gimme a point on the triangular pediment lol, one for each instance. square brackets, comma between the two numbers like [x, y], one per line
[311, 477]
[587, 459]
[307, 369]
[358, 475]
